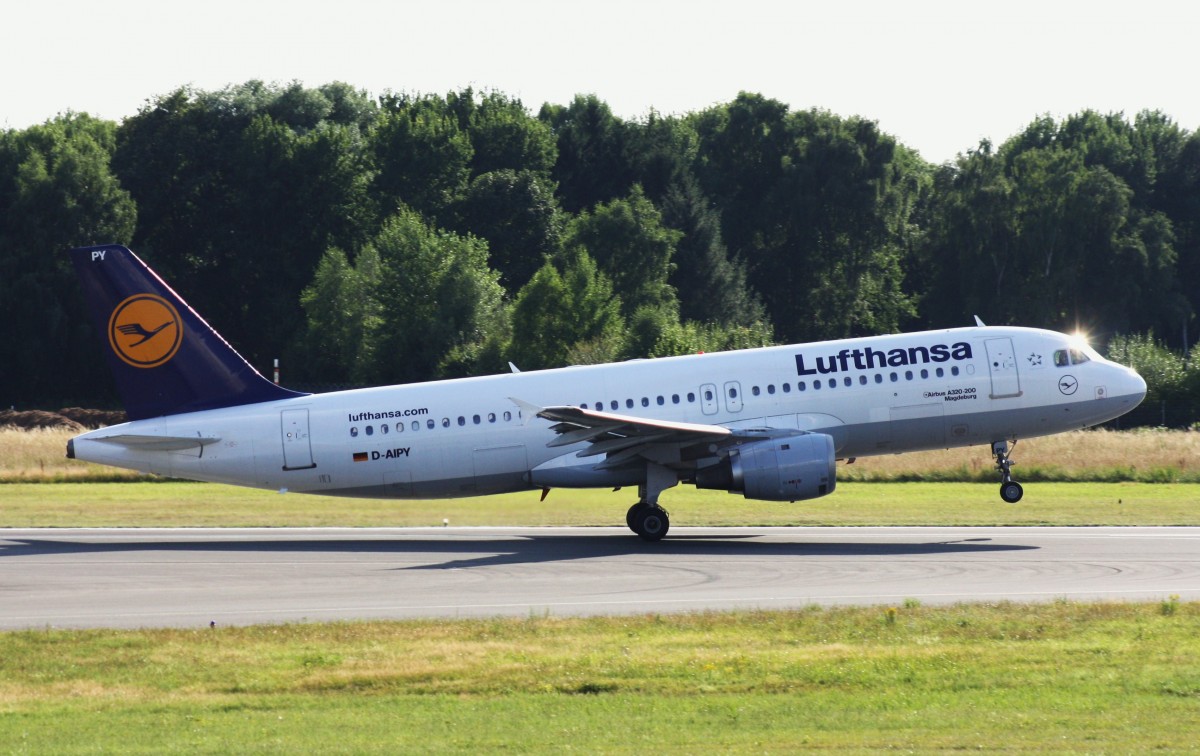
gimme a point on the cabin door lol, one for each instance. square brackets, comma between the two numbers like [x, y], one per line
[1002, 362]
[297, 448]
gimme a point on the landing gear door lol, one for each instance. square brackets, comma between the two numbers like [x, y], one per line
[1002, 363]
[297, 448]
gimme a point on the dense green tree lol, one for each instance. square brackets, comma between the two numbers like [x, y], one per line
[711, 288]
[439, 302]
[237, 207]
[518, 215]
[591, 166]
[56, 191]
[422, 156]
[566, 316]
[342, 311]
[503, 134]
[628, 240]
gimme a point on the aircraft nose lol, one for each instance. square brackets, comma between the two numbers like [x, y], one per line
[1137, 385]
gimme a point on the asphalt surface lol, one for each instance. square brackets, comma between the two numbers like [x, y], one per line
[191, 577]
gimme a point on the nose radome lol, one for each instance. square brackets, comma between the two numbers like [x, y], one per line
[1137, 385]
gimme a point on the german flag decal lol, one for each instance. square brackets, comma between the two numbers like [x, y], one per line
[360, 456]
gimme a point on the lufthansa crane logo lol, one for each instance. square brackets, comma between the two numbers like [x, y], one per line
[145, 331]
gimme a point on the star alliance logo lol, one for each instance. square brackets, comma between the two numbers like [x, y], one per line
[1035, 360]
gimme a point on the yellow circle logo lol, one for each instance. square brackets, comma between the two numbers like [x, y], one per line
[145, 331]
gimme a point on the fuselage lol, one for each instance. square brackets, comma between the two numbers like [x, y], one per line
[464, 437]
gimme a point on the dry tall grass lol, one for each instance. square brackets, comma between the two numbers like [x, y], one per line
[1143, 455]
[41, 454]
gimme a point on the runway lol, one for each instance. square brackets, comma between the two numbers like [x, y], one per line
[191, 577]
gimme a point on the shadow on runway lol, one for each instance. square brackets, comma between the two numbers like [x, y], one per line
[471, 551]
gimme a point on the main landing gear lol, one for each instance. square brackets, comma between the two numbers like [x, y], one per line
[650, 521]
[1010, 490]
[647, 518]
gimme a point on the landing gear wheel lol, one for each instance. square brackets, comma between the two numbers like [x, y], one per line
[631, 515]
[1011, 491]
[650, 522]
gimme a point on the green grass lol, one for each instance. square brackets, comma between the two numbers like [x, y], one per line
[179, 504]
[1059, 677]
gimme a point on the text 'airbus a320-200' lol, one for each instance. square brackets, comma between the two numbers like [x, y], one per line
[767, 423]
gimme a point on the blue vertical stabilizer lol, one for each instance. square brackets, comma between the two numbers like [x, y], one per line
[165, 358]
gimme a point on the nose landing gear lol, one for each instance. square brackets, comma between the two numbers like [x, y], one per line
[1010, 490]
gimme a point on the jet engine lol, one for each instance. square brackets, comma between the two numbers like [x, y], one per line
[790, 468]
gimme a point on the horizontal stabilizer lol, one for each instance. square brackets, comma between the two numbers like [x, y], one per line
[150, 442]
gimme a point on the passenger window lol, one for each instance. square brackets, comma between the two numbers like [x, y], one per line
[954, 370]
[817, 384]
[354, 432]
[787, 388]
[475, 419]
[908, 375]
[941, 373]
[629, 403]
[416, 425]
[599, 406]
[846, 381]
[614, 405]
[370, 430]
[708, 396]
[645, 402]
[674, 398]
[894, 377]
[660, 401]
[507, 416]
[399, 427]
[879, 378]
[801, 386]
[445, 422]
[461, 421]
[383, 428]
[430, 424]
[862, 380]
[924, 373]
[732, 393]
[691, 397]
[770, 388]
[754, 390]
[833, 383]
[491, 417]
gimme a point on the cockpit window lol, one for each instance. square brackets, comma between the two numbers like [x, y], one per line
[1065, 357]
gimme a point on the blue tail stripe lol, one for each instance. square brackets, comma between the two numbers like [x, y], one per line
[166, 359]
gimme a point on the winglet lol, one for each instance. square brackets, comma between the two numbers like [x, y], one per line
[514, 368]
[979, 322]
[528, 411]
[165, 358]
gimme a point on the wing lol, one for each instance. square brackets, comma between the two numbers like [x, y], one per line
[624, 439]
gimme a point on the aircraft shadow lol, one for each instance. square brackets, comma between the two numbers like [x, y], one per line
[471, 552]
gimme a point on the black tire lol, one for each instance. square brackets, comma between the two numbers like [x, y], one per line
[631, 515]
[651, 523]
[1011, 491]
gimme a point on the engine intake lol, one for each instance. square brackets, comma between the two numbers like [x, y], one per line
[791, 468]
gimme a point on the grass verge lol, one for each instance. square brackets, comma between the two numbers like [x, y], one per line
[1064, 676]
[1145, 455]
[178, 504]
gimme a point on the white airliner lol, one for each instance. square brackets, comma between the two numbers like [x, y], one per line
[766, 423]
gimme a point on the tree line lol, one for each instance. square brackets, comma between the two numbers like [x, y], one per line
[406, 237]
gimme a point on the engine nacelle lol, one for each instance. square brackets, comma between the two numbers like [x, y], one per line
[791, 468]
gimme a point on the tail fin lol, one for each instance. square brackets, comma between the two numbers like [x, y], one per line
[165, 358]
